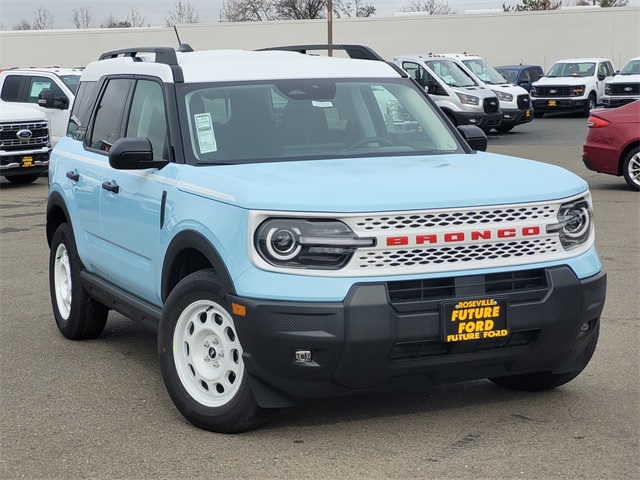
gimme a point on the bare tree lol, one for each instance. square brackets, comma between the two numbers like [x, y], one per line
[432, 7]
[42, 19]
[613, 3]
[247, 11]
[112, 22]
[82, 17]
[528, 5]
[135, 19]
[22, 25]
[183, 12]
[356, 8]
[301, 9]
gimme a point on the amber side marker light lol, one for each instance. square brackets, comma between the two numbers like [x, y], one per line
[238, 309]
[596, 122]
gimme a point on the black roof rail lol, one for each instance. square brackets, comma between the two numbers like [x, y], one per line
[164, 55]
[354, 51]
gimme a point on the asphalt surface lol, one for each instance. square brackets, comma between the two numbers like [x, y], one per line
[99, 409]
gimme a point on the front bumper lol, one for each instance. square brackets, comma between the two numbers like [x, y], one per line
[25, 162]
[483, 120]
[513, 117]
[371, 342]
[613, 102]
[558, 104]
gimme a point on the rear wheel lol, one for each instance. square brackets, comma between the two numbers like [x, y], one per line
[78, 316]
[201, 358]
[540, 381]
[23, 179]
[631, 168]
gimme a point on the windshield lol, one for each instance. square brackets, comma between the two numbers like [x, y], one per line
[509, 74]
[312, 119]
[631, 68]
[71, 81]
[578, 69]
[451, 73]
[484, 71]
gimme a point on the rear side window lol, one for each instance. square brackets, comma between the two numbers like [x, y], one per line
[11, 88]
[107, 126]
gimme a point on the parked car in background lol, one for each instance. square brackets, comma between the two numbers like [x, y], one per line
[613, 143]
[515, 101]
[575, 84]
[462, 99]
[624, 87]
[521, 75]
[50, 90]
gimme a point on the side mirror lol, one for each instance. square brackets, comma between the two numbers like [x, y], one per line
[133, 153]
[46, 98]
[474, 136]
[601, 76]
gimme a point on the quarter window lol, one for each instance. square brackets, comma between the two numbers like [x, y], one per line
[147, 117]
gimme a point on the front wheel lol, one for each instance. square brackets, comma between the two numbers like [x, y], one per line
[631, 168]
[540, 381]
[78, 316]
[591, 104]
[201, 358]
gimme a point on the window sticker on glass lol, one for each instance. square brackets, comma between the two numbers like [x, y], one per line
[37, 87]
[204, 131]
[315, 103]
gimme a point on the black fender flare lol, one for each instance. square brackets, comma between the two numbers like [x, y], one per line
[190, 239]
[55, 201]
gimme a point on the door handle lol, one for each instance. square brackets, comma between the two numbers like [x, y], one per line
[111, 187]
[73, 175]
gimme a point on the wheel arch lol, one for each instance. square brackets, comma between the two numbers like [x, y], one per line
[189, 252]
[57, 214]
[625, 152]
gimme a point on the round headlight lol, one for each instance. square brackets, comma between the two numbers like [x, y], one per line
[282, 243]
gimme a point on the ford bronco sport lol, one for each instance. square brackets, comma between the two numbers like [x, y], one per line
[302, 226]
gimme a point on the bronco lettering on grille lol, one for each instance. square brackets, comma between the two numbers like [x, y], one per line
[452, 237]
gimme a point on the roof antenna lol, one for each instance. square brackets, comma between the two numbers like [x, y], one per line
[184, 47]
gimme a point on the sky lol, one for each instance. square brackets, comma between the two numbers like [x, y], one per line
[156, 11]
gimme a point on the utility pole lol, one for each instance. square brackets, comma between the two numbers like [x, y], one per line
[330, 25]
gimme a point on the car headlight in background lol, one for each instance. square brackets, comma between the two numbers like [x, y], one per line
[577, 91]
[575, 223]
[534, 91]
[468, 99]
[505, 97]
[307, 243]
[607, 89]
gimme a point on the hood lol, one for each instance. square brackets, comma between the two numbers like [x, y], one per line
[19, 113]
[477, 91]
[382, 183]
[635, 78]
[514, 90]
[562, 81]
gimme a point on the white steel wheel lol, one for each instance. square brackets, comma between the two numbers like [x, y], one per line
[62, 281]
[207, 353]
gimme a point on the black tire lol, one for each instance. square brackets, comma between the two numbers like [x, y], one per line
[78, 316]
[504, 129]
[591, 104]
[201, 358]
[538, 114]
[541, 381]
[23, 179]
[631, 168]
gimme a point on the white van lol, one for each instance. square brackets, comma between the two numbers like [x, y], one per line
[515, 101]
[462, 99]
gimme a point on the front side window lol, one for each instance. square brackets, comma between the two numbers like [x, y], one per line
[107, 126]
[37, 84]
[310, 119]
[451, 73]
[147, 117]
[71, 82]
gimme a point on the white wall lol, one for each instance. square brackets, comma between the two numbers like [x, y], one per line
[531, 37]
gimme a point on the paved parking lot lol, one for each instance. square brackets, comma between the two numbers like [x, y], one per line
[99, 409]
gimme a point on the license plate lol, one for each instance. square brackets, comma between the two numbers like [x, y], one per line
[475, 319]
[26, 162]
[552, 103]
[527, 114]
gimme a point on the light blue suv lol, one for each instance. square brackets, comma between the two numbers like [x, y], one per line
[298, 225]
